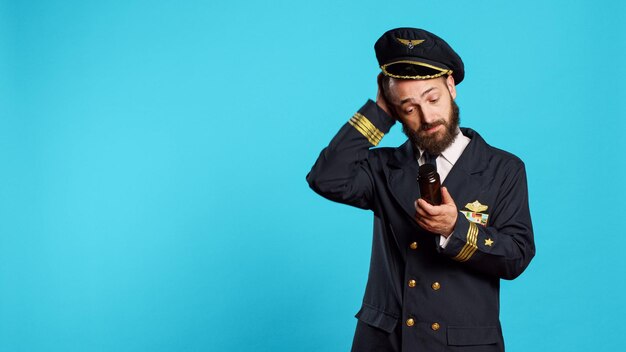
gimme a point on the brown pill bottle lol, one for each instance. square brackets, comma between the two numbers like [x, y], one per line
[429, 183]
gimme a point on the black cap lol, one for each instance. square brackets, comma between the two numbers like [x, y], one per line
[412, 53]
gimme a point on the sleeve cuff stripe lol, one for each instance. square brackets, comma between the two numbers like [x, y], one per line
[470, 246]
[369, 125]
[366, 128]
[363, 132]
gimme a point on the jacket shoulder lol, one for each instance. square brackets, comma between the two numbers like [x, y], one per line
[502, 156]
[496, 156]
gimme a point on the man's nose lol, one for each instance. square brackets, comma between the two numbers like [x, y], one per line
[427, 117]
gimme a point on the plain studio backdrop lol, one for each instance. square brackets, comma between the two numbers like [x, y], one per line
[153, 157]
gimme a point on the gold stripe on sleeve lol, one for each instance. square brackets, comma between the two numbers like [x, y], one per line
[366, 128]
[362, 131]
[370, 126]
[470, 245]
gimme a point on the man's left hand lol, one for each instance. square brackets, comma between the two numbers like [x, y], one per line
[439, 219]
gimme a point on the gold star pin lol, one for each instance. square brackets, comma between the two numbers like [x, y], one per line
[488, 242]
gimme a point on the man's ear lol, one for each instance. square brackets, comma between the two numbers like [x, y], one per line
[451, 86]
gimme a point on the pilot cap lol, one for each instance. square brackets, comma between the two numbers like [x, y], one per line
[412, 53]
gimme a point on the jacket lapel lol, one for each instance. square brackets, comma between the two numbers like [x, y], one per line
[465, 177]
[403, 168]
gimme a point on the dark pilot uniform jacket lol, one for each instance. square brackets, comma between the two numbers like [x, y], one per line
[442, 299]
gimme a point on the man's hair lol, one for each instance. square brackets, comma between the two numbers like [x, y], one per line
[385, 86]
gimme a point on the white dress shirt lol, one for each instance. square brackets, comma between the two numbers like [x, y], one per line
[445, 162]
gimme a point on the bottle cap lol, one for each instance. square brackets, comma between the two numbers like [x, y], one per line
[427, 170]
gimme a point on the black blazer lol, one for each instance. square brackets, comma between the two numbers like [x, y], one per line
[442, 297]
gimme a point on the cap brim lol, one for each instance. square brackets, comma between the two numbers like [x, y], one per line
[414, 68]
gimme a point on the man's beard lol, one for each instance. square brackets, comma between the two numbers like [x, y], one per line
[434, 144]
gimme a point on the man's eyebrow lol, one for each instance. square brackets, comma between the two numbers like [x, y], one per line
[406, 100]
[428, 91]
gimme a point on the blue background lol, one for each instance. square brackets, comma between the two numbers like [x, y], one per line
[153, 156]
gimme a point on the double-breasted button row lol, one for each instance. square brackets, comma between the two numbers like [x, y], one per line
[435, 286]
[434, 326]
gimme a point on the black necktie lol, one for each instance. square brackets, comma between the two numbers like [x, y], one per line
[430, 159]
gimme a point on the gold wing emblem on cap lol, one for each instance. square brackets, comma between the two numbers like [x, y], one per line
[411, 42]
[476, 206]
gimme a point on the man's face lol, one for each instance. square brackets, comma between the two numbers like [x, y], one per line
[427, 110]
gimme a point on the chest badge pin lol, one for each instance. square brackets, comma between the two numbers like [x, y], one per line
[476, 207]
[475, 213]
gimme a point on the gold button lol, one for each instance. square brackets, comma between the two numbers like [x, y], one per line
[412, 283]
[413, 245]
[435, 326]
[435, 286]
[410, 322]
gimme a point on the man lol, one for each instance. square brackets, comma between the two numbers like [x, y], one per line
[435, 269]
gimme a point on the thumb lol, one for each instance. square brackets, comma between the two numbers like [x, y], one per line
[446, 198]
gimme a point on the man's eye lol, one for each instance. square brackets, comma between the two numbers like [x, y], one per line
[433, 101]
[408, 111]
